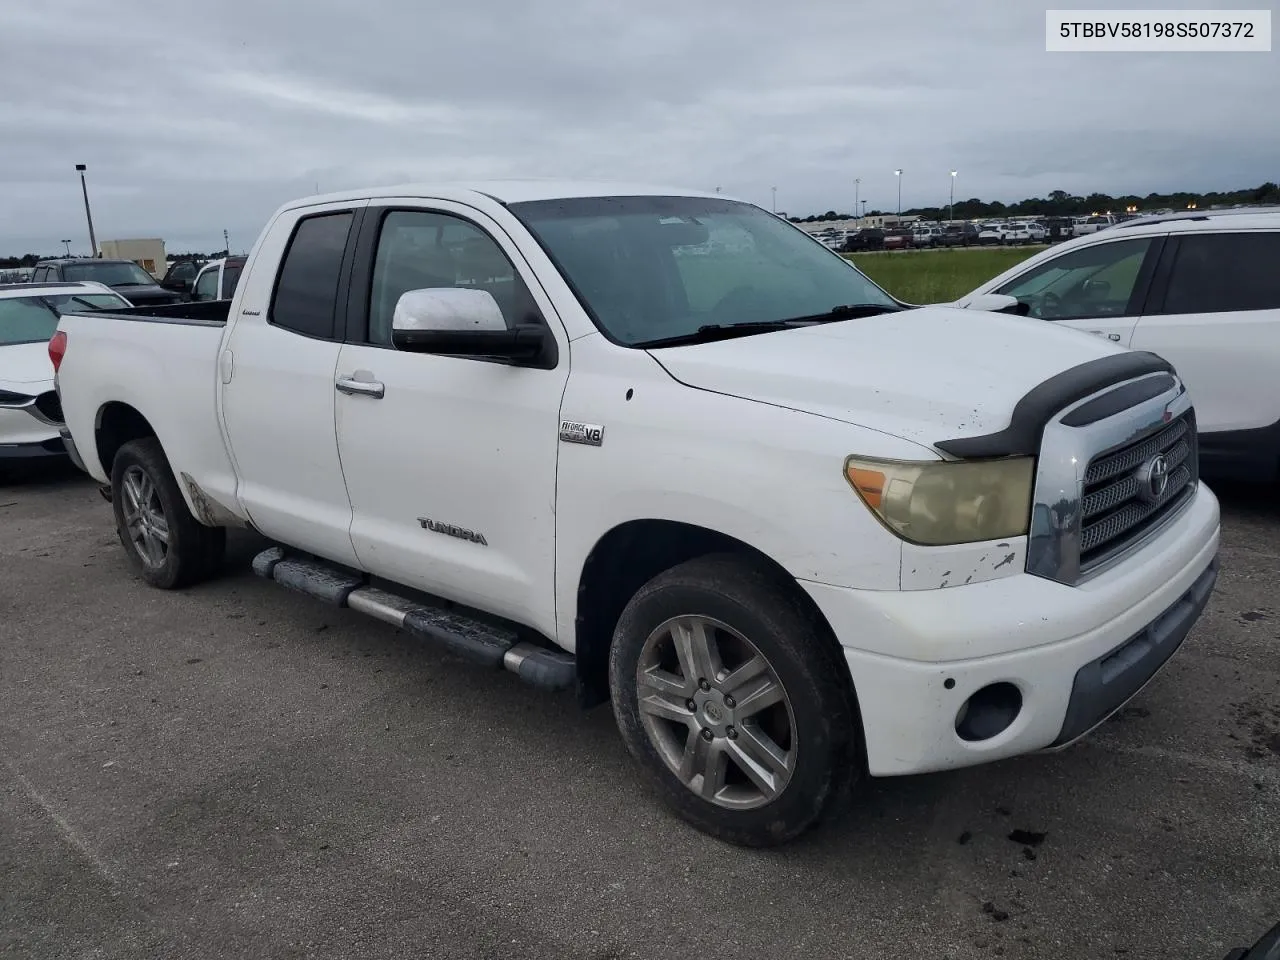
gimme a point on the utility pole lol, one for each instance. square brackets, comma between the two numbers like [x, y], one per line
[775, 199]
[84, 188]
[857, 185]
[226, 244]
[898, 174]
[951, 207]
[67, 244]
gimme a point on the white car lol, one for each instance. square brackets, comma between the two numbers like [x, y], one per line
[795, 534]
[217, 279]
[30, 414]
[1202, 290]
[1083, 226]
[992, 233]
[1024, 233]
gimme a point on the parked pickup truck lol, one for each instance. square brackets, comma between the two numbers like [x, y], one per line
[662, 448]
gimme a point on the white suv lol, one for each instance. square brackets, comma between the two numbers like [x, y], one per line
[1202, 290]
[1024, 233]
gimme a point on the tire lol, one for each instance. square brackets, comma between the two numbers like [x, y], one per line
[812, 732]
[190, 552]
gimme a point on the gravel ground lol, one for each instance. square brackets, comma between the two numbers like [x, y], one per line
[238, 771]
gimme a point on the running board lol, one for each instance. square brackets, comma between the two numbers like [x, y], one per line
[472, 639]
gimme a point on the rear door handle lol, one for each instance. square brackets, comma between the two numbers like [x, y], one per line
[360, 388]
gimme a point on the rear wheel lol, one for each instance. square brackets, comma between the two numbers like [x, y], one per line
[735, 701]
[162, 540]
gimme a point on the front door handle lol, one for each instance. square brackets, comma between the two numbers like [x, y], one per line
[360, 388]
[1109, 336]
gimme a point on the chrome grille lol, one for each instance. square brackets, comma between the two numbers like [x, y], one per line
[1117, 508]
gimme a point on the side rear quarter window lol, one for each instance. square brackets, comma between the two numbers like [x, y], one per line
[307, 284]
[1225, 272]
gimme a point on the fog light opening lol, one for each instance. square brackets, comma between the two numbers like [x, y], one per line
[989, 712]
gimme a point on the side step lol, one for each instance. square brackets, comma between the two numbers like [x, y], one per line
[475, 640]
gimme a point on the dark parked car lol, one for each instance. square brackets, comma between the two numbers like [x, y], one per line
[867, 238]
[960, 235]
[181, 277]
[123, 276]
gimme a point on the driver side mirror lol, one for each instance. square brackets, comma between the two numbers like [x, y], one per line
[999, 303]
[458, 322]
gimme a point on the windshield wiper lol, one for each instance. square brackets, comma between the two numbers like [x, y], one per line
[725, 331]
[847, 311]
[710, 332]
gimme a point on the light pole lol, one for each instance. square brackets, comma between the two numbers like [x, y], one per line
[864, 209]
[898, 174]
[67, 244]
[93, 241]
[857, 186]
[775, 199]
[951, 207]
[226, 244]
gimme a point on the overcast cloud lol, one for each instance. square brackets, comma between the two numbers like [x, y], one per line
[198, 118]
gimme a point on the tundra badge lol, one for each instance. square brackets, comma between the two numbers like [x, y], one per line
[462, 533]
[591, 434]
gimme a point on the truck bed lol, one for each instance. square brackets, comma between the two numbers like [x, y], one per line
[204, 313]
[158, 363]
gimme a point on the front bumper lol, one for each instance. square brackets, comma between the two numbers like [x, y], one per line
[34, 450]
[1074, 654]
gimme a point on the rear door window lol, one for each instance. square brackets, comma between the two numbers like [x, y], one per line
[307, 286]
[1225, 272]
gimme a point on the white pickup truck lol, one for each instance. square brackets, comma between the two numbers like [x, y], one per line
[663, 447]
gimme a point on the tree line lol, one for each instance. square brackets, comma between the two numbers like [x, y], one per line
[1060, 203]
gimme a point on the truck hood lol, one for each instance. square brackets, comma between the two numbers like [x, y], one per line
[926, 375]
[25, 363]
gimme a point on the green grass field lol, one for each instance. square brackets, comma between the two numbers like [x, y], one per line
[936, 276]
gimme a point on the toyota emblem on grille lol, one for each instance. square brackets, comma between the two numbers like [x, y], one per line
[1154, 478]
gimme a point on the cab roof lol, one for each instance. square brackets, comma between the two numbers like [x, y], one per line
[509, 191]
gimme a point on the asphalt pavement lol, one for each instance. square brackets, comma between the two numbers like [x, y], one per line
[239, 771]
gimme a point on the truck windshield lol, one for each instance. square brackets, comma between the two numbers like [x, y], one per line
[651, 268]
[112, 273]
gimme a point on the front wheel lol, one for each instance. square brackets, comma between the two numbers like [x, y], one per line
[734, 699]
[162, 540]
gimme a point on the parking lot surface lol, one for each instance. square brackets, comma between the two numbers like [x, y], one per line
[239, 771]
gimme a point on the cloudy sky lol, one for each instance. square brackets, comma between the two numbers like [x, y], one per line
[198, 118]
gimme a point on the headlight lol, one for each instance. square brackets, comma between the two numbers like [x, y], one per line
[941, 502]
